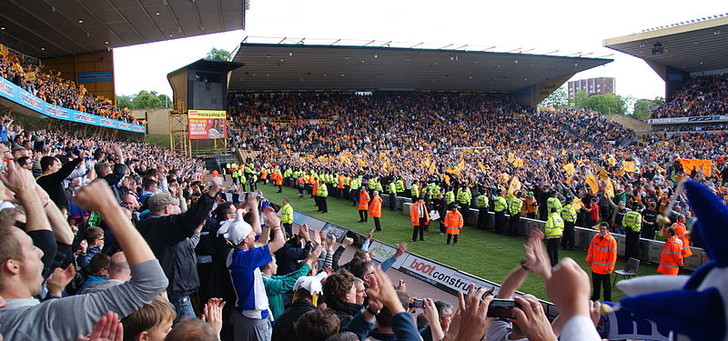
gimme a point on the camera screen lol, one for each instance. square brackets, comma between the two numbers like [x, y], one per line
[502, 308]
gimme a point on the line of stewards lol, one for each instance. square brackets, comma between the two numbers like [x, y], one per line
[453, 224]
[375, 210]
[602, 257]
[420, 219]
[363, 204]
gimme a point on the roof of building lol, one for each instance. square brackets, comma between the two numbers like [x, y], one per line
[45, 29]
[695, 45]
[370, 68]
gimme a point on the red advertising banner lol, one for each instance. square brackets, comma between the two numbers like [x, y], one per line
[207, 124]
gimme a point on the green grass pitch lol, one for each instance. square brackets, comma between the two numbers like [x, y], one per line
[481, 253]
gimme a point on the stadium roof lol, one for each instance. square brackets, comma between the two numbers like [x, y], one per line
[691, 46]
[334, 67]
[45, 29]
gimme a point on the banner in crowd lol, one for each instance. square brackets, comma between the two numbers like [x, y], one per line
[96, 76]
[689, 165]
[15, 94]
[207, 124]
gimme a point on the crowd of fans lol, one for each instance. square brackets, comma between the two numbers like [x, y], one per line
[700, 96]
[49, 86]
[94, 231]
[482, 142]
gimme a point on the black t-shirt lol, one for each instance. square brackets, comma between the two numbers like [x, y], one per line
[46, 241]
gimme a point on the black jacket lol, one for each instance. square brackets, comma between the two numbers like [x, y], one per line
[167, 237]
[289, 255]
[283, 329]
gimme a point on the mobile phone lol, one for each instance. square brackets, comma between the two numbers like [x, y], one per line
[417, 303]
[502, 308]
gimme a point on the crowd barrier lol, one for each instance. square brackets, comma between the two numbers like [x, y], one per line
[649, 249]
[15, 94]
[436, 274]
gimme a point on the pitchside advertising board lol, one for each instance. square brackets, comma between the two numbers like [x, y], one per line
[443, 277]
[207, 124]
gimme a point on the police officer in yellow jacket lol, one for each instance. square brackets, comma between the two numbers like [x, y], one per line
[481, 202]
[514, 209]
[568, 215]
[499, 207]
[287, 217]
[553, 230]
[632, 223]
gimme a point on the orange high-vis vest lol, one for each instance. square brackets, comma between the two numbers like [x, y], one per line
[300, 180]
[375, 207]
[671, 257]
[278, 178]
[681, 232]
[315, 188]
[363, 200]
[415, 210]
[340, 181]
[602, 254]
[264, 174]
[311, 179]
[453, 222]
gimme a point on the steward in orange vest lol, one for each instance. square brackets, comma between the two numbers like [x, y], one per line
[420, 219]
[682, 232]
[453, 224]
[375, 210]
[671, 258]
[300, 185]
[602, 256]
[363, 204]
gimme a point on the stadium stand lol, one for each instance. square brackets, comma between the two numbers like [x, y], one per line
[700, 96]
[50, 87]
[482, 142]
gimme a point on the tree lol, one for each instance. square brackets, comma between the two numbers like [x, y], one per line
[165, 101]
[124, 101]
[556, 99]
[218, 54]
[643, 107]
[604, 104]
[145, 99]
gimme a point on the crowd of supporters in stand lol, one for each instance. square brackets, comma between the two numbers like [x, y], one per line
[103, 240]
[94, 231]
[50, 87]
[482, 142]
[700, 96]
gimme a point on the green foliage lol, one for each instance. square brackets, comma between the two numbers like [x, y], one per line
[604, 104]
[218, 54]
[145, 99]
[643, 107]
[124, 101]
[165, 101]
[557, 99]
